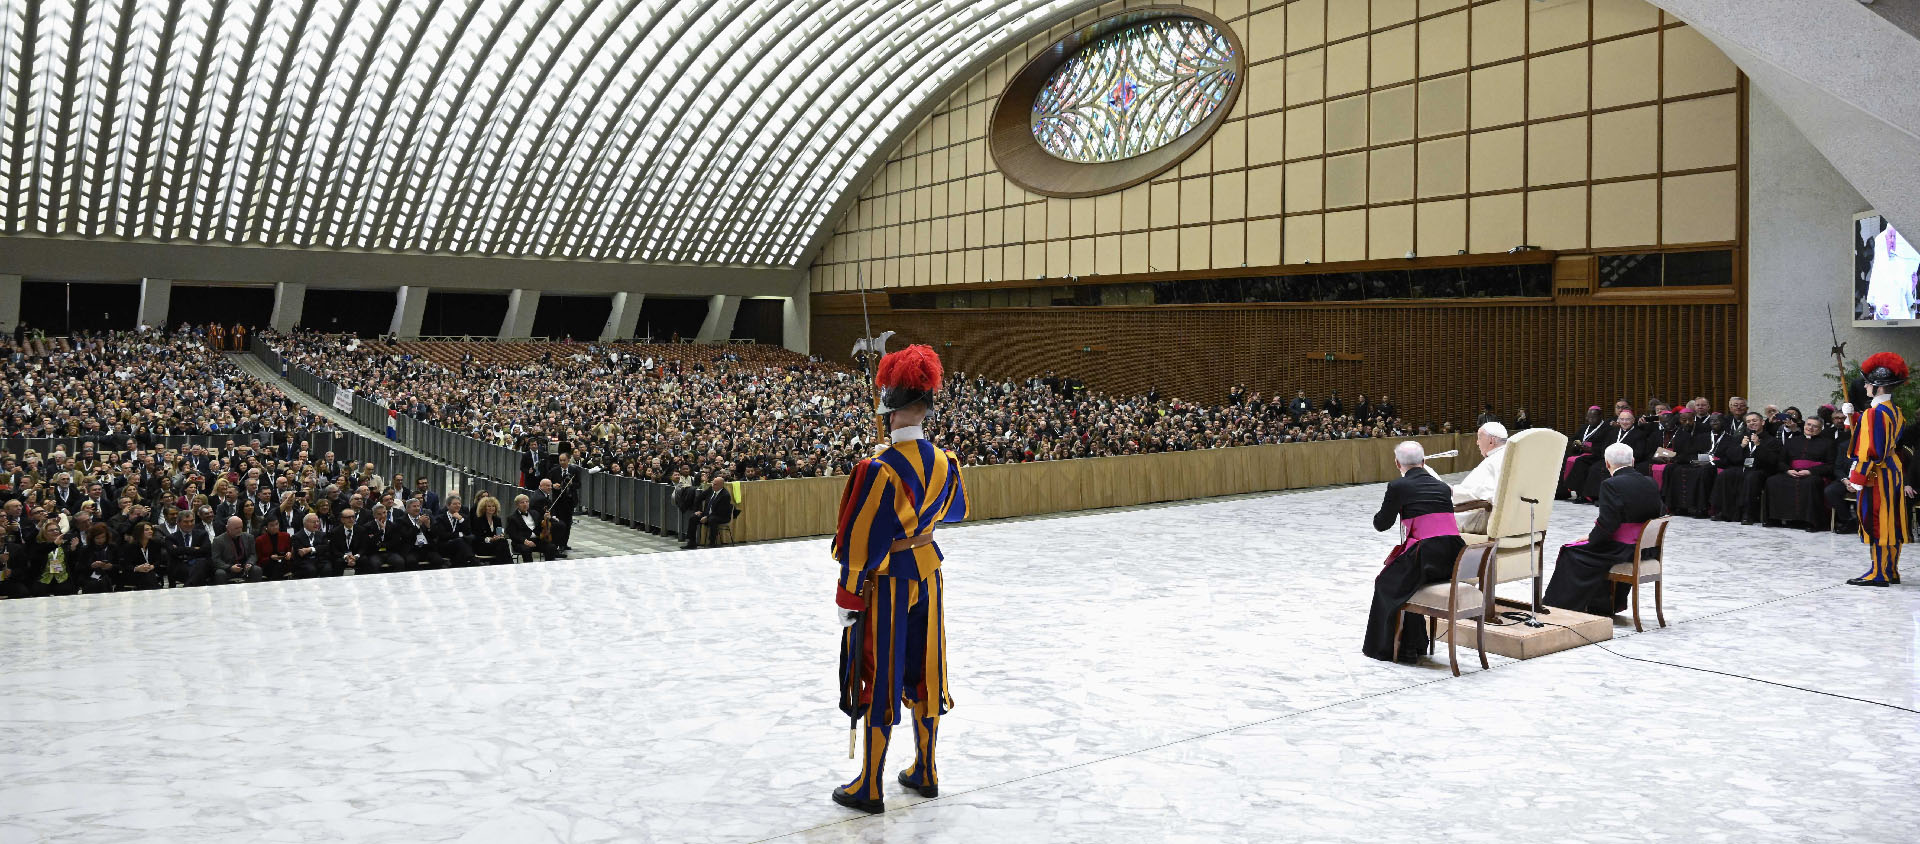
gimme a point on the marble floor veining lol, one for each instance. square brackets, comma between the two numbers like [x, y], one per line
[1184, 673]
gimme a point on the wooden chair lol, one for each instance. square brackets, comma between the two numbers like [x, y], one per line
[1645, 571]
[1456, 600]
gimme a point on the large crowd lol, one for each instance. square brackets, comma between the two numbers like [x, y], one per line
[668, 413]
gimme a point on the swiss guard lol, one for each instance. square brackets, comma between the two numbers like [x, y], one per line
[1878, 477]
[893, 644]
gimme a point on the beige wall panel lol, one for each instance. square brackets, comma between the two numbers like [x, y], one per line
[1166, 204]
[1196, 201]
[1263, 242]
[1036, 260]
[996, 189]
[1499, 95]
[1264, 196]
[1443, 44]
[1392, 115]
[1306, 24]
[1106, 256]
[1699, 208]
[1701, 133]
[976, 228]
[1557, 152]
[1693, 65]
[1428, 7]
[1266, 139]
[1134, 202]
[1557, 84]
[1106, 213]
[1059, 258]
[1195, 243]
[1133, 252]
[1443, 105]
[1623, 214]
[939, 230]
[1266, 86]
[1494, 223]
[1347, 123]
[1442, 167]
[1036, 225]
[1557, 219]
[1305, 130]
[1390, 174]
[1199, 163]
[976, 193]
[1230, 146]
[1059, 218]
[1390, 232]
[1163, 251]
[1499, 30]
[1556, 23]
[1267, 36]
[1389, 12]
[1303, 186]
[1229, 245]
[1346, 18]
[1013, 224]
[1347, 180]
[1347, 67]
[993, 264]
[976, 266]
[1494, 159]
[1302, 238]
[1229, 196]
[1226, 9]
[1394, 52]
[996, 227]
[937, 269]
[1080, 260]
[1347, 235]
[1306, 77]
[1626, 71]
[1441, 226]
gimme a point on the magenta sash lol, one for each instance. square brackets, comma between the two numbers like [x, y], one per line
[1660, 475]
[1625, 534]
[1567, 468]
[1424, 527]
[1805, 464]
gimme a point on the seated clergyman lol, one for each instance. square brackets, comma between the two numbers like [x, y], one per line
[1431, 542]
[1628, 500]
[1483, 483]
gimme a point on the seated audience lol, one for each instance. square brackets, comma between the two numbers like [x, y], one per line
[716, 509]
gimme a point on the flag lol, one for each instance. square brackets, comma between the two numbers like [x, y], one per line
[393, 424]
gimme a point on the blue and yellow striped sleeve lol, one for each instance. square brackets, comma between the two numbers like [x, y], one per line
[957, 508]
[869, 521]
[1871, 444]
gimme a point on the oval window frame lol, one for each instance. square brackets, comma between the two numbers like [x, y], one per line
[1024, 162]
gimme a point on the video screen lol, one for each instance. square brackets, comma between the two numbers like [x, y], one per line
[1886, 273]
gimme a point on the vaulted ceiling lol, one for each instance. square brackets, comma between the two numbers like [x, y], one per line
[654, 131]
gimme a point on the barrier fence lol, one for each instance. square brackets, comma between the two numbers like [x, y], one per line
[470, 465]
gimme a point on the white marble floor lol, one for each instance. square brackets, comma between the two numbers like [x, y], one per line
[1184, 673]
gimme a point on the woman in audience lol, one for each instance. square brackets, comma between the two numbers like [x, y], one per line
[488, 533]
[273, 549]
[49, 571]
[251, 520]
[95, 560]
[142, 558]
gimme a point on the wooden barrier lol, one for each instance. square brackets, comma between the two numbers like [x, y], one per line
[806, 506]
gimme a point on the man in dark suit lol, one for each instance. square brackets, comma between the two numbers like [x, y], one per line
[429, 500]
[191, 547]
[545, 501]
[1628, 500]
[566, 493]
[233, 555]
[715, 511]
[65, 494]
[1423, 504]
[450, 534]
[313, 550]
[688, 499]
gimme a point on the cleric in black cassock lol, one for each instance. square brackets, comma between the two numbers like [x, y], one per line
[1742, 473]
[1690, 477]
[1626, 429]
[1582, 453]
[1796, 494]
[1628, 500]
[1424, 504]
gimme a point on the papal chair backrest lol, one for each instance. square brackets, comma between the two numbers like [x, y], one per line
[1529, 473]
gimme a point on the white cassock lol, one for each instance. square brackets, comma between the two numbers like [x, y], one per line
[1481, 484]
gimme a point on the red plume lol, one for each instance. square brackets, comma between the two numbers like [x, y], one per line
[914, 367]
[1891, 361]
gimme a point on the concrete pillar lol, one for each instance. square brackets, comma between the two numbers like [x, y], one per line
[718, 325]
[795, 319]
[409, 309]
[155, 295]
[624, 318]
[289, 300]
[520, 307]
[9, 303]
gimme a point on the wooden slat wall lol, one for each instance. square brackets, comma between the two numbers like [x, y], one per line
[806, 506]
[1440, 362]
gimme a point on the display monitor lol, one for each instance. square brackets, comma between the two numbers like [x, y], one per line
[1886, 274]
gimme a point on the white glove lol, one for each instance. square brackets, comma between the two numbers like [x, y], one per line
[846, 616]
[1846, 408]
[1852, 486]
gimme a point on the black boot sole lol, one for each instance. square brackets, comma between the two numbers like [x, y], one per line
[1863, 582]
[922, 790]
[871, 807]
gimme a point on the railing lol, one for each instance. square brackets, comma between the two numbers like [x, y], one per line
[470, 466]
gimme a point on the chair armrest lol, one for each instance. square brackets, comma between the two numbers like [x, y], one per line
[1470, 506]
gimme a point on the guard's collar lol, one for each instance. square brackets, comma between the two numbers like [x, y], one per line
[1883, 398]
[911, 432]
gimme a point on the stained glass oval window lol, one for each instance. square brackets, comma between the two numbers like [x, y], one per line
[1134, 91]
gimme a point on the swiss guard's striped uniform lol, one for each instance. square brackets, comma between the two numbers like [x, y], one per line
[890, 569]
[1878, 471]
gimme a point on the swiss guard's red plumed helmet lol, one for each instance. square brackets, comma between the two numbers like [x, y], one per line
[911, 375]
[1884, 369]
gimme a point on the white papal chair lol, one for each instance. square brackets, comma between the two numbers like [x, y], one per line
[1522, 506]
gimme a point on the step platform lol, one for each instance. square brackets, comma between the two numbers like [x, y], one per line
[1516, 640]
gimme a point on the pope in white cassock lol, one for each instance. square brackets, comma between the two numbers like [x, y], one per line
[1484, 481]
